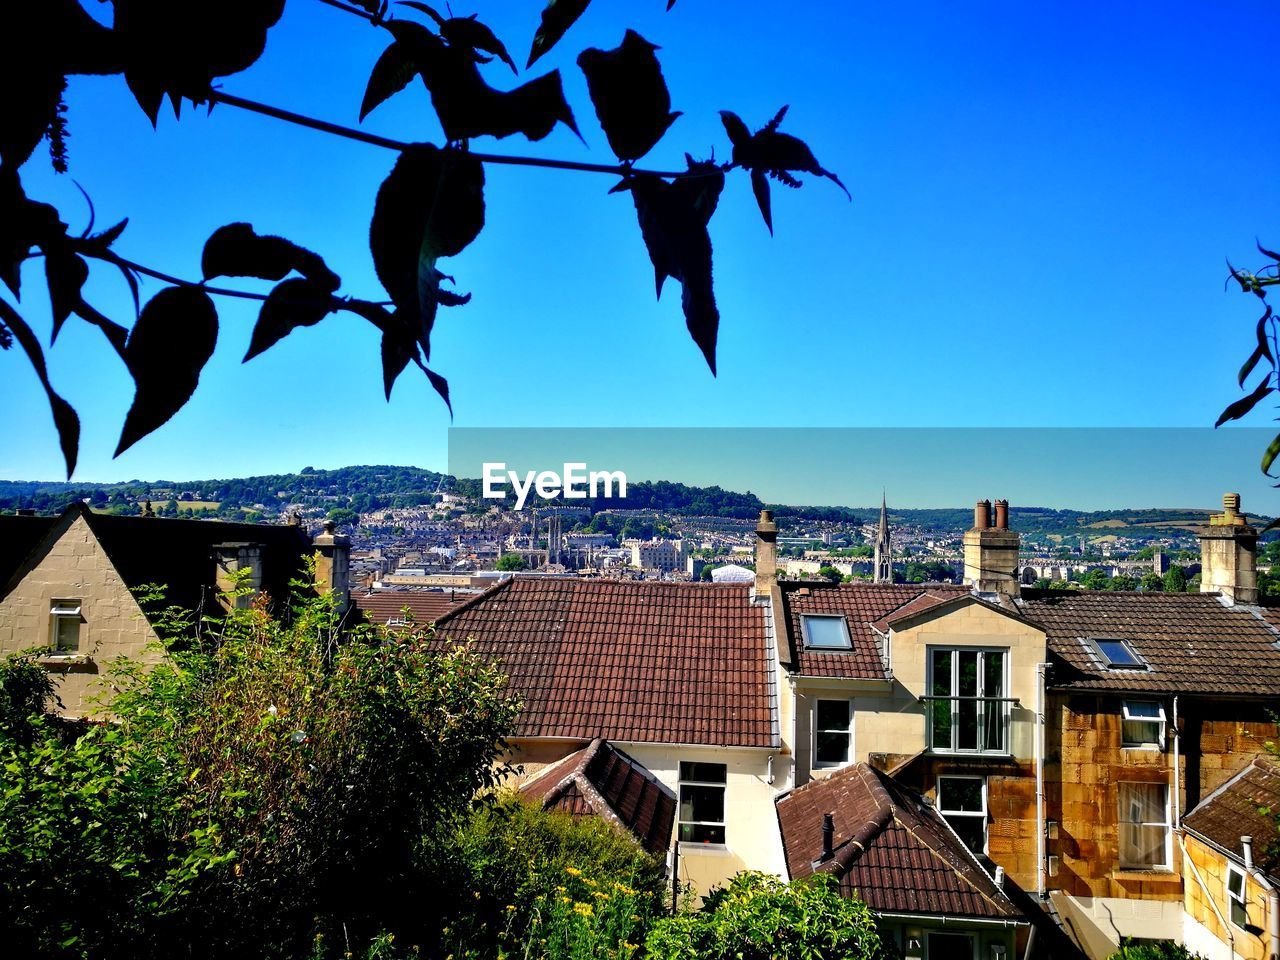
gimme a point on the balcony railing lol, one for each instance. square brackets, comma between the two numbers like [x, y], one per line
[968, 724]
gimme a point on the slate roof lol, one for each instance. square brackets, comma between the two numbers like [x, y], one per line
[891, 848]
[1231, 812]
[646, 661]
[176, 553]
[1191, 642]
[601, 780]
[866, 608]
[424, 606]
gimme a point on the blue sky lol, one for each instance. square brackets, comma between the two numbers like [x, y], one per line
[1044, 197]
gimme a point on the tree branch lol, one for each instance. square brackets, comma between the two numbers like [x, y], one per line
[324, 126]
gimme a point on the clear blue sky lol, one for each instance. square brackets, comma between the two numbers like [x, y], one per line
[1044, 196]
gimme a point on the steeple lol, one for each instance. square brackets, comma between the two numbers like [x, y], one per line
[883, 572]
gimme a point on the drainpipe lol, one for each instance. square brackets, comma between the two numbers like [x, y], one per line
[1041, 866]
[1177, 772]
[1273, 897]
[795, 746]
[1186, 858]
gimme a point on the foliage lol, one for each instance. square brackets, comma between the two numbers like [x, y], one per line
[1153, 950]
[562, 886]
[830, 573]
[430, 207]
[1175, 580]
[511, 562]
[262, 784]
[759, 917]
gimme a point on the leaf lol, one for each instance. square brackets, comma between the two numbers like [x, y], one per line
[235, 250]
[466, 32]
[629, 94]
[557, 17]
[430, 206]
[770, 153]
[297, 302]
[116, 335]
[1263, 349]
[441, 386]
[65, 419]
[65, 274]
[1245, 404]
[1267, 253]
[679, 246]
[702, 187]
[391, 73]
[168, 348]
[1269, 456]
[24, 224]
[396, 355]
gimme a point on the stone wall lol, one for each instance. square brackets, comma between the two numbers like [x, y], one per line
[1211, 867]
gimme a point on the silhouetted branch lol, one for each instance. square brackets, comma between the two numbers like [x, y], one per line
[351, 133]
[348, 8]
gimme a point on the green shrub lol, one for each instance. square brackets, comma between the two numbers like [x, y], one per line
[1153, 950]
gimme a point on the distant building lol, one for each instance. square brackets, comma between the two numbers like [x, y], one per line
[732, 573]
[882, 572]
[664, 555]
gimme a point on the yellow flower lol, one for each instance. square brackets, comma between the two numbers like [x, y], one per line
[560, 889]
[599, 895]
[510, 907]
[583, 909]
[566, 899]
[589, 883]
[573, 871]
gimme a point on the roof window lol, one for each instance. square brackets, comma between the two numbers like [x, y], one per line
[825, 631]
[1118, 654]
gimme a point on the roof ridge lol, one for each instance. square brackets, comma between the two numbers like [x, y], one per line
[483, 595]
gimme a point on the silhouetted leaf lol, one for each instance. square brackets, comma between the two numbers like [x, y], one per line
[466, 105]
[116, 335]
[1245, 404]
[1263, 349]
[64, 417]
[1269, 456]
[391, 74]
[430, 206]
[770, 153]
[24, 224]
[65, 273]
[465, 32]
[168, 348]
[104, 240]
[176, 49]
[1265, 252]
[703, 188]
[297, 302]
[237, 251]
[629, 94]
[557, 17]
[441, 386]
[396, 354]
[679, 246]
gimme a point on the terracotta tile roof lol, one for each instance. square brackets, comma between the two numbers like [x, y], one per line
[891, 848]
[866, 607]
[1231, 812]
[424, 606]
[1190, 641]
[644, 660]
[600, 780]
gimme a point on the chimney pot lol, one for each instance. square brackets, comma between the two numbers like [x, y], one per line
[982, 515]
[828, 835]
[1002, 514]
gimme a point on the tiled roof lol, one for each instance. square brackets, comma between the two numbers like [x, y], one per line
[1231, 812]
[425, 607]
[18, 537]
[643, 660]
[864, 605]
[1191, 642]
[891, 848]
[600, 780]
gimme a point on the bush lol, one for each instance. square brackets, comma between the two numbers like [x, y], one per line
[759, 917]
[1153, 950]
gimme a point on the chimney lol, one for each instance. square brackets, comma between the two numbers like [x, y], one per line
[1228, 554]
[991, 551]
[333, 557]
[828, 835]
[766, 553]
[25, 512]
[238, 567]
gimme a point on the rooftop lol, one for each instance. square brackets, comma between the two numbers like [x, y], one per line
[1231, 812]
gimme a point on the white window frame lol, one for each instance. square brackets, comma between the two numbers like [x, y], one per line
[1139, 665]
[1234, 900]
[1002, 703]
[813, 737]
[62, 610]
[722, 786]
[971, 814]
[1122, 824]
[1160, 722]
[826, 648]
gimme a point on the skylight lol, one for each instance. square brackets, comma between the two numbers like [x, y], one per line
[1118, 654]
[825, 632]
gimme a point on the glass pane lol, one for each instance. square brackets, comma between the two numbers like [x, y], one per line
[1140, 732]
[1117, 653]
[1142, 846]
[993, 725]
[1239, 915]
[833, 714]
[941, 732]
[967, 679]
[832, 747]
[972, 830]
[701, 833]
[1142, 708]
[704, 804]
[966, 723]
[705, 772]
[1142, 802]
[1235, 883]
[950, 946]
[960, 793]
[68, 633]
[941, 673]
[826, 632]
[993, 674]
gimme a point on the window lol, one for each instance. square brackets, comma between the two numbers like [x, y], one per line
[702, 802]
[962, 801]
[1142, 724]
[1144, 826]
[825, 632]
[1236, 899]
[1118, 654]
[832, 732]
[968, 710]
[65, 626]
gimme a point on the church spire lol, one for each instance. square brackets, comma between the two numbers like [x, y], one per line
[883, 572]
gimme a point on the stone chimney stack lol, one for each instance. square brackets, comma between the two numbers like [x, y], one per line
[1229, 553]
[238, 567]
[766, 553]
[991, 551]
[333, 560]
